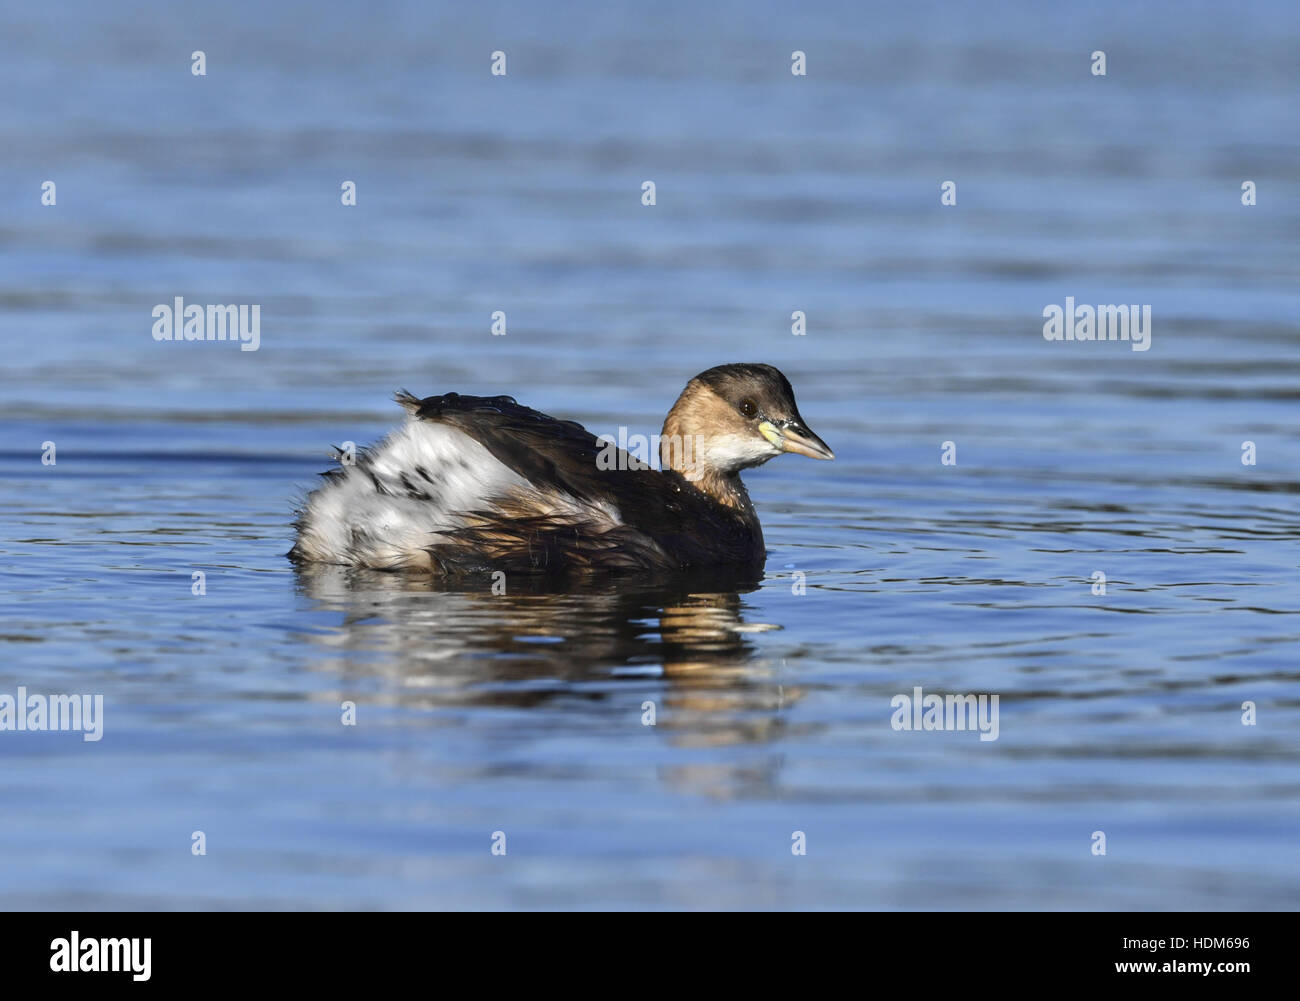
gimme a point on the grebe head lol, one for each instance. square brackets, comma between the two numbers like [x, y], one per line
[733, 417]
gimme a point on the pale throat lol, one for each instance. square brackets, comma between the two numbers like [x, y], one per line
[697, 457]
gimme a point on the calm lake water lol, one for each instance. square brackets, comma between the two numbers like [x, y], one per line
[1119, 713]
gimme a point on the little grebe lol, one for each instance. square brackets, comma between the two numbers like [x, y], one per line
[472, 483]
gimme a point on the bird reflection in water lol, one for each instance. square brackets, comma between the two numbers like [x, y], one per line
[418, 641]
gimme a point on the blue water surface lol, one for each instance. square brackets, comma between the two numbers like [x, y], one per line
[476, 713]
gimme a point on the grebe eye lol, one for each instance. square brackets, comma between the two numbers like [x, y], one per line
[748, 407]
